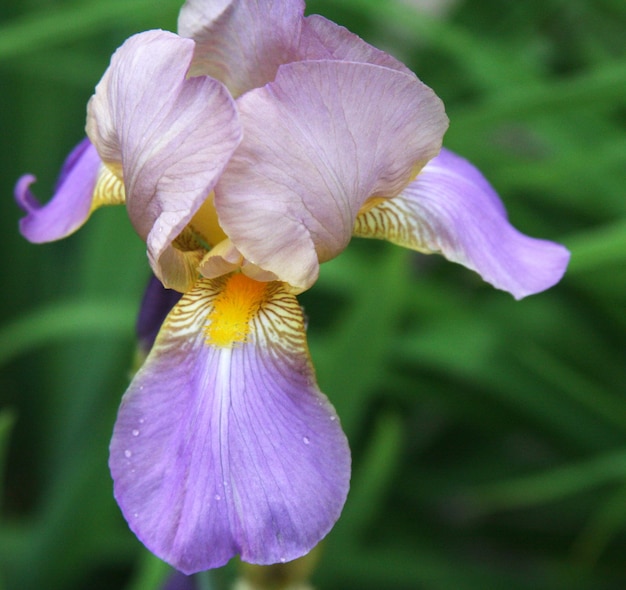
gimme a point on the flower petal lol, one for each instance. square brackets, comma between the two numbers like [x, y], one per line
[84, 184]
[222, 259]
[318, 142]
[450, 208]
[145, 115]
[223, 442]
[225, 258]
[324, 39]
[179, 581]
[156, 304]
[239, 42]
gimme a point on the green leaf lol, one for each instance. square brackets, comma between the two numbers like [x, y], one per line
[374, 472]
[151, 573]
[351, 362]
[63, 320]
[40, 30]
[597, 247]
[550, 485]
[7, 420]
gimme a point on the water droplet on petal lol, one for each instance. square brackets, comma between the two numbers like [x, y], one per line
[135, 432]
[218, 497]
[306, 440]
[283, 560]
[333, 418]
[127, 454]
[141, 420]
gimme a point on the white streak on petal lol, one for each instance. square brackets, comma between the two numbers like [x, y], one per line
[228, 422]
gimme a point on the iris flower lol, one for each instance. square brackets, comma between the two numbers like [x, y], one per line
[248, 149]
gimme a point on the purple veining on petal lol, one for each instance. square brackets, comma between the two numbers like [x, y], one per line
[221, 450]
[70, 205]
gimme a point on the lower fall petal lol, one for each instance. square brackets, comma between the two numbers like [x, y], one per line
[451, 209]
[84, 184]
[224, 443]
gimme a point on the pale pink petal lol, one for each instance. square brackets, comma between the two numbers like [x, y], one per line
[240, 42]
[221, 259]
[318, 142]
[324, 39]
[170, 135]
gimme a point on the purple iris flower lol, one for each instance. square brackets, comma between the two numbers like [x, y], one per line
[179, 581]
[248, 149]
[157, 302]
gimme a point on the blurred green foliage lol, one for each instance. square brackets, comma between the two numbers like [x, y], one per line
[488, 435]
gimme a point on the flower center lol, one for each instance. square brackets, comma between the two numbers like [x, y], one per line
[206, 224]
[228, 323]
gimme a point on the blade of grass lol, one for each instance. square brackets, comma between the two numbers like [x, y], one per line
[574, 384]
[596, 247]
[350, 362]
[63, 320]
[7, 419]
[374, 473]
[38, 31]
[151, 573]
[551, 485]
[601, 87]
[603, 525]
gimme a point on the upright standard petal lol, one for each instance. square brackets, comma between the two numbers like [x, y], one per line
[451, 209]
[84, 184]
[223, 442]
[319, 141]
[324, 39]
[171, 134]
[240, 42]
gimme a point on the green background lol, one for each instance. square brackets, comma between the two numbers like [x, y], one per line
[488, 435]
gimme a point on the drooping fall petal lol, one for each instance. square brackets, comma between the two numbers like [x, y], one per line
[451, 209]
[319, 141]
[172, 136]
[239, 42]
[223, 442]
[84, 184]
